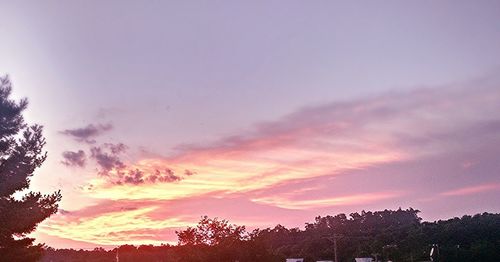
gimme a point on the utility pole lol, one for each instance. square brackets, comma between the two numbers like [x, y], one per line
[335, 247]
[334, 240]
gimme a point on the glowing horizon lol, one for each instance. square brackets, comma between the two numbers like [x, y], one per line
[269, 113]
[266, 165]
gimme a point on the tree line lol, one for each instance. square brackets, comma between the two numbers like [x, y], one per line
[397, 235]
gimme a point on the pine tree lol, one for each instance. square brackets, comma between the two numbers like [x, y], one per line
[21, 152]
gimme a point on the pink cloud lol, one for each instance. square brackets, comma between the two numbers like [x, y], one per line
[385, 150]
[472, 190]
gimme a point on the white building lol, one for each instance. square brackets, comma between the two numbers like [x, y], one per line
[363, 259]
[294, 260]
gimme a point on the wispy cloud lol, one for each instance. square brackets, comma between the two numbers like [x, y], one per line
[383, 149]
[89, 133]
[471, 190]
[317, 202]
[329, 140]
[151, 221]
[124, 226]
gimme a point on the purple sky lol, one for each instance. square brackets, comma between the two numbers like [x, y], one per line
[261, 112]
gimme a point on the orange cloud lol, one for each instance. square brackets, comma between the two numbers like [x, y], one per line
[113, 228]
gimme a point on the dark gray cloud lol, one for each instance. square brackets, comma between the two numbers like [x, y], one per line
[137, 177]
[107, 157]
[167, 176]
[74, 158]
[63, 212]
[87, 134]
[188, 172]
[116, 148]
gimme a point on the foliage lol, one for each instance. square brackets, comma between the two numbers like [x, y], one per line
[21, 152]
[211, 232]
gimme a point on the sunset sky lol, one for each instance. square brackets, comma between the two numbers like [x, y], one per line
[260, 112]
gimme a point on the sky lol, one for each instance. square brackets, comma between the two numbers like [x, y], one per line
[260, 112]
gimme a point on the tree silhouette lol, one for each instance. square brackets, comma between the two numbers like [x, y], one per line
[211, 232]
[397, 235]
[21, 152]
